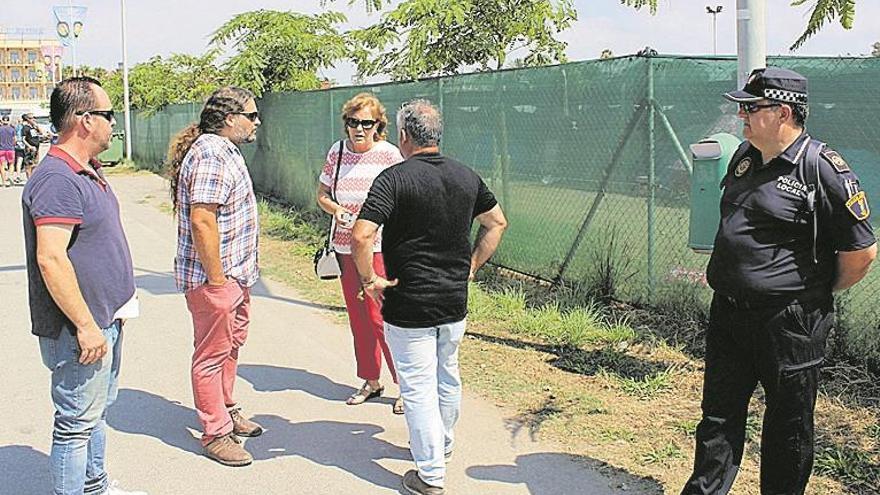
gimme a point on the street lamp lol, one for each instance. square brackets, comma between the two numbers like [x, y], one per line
[125, 89]
[714, 12]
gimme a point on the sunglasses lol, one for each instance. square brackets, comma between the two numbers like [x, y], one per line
[354, 123]
[252, 116]
[754, 107]
[107, 114]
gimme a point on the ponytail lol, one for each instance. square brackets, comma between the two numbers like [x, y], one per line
[178, 149]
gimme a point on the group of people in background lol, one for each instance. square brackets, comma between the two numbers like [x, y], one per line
[19, 145]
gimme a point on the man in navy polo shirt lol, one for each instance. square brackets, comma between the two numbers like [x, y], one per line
[80, 283]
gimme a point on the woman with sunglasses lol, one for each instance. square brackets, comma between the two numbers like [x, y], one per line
[365, 153]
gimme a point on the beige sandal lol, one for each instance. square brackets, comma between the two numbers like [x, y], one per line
[364, 394]
[398, 406]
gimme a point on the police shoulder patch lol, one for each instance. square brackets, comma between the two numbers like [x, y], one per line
[858, 206]
[836, 161]
[742, 167]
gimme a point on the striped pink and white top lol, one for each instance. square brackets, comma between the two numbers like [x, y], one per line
[356, 174]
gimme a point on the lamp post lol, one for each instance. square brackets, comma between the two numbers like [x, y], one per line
[714, 12]
[125, 90]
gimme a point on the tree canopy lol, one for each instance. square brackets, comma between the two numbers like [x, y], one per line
[435, 37]
[280, 51]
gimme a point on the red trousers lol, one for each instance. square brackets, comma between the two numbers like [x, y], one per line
[365, 319]
[220, 315]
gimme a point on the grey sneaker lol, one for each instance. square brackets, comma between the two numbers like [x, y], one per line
[227, 450]
[242, 426]
[413, 485]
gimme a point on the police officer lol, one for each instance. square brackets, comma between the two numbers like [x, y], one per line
[794, 227]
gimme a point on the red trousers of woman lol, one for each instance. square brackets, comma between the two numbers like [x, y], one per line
[365, 319]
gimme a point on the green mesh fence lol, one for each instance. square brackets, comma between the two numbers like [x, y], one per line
[588, 159]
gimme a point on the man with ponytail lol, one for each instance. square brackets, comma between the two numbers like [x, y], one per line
[80, 284]
[216, 262]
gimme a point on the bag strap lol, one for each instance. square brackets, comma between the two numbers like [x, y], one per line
[809, 169]
[333, 194]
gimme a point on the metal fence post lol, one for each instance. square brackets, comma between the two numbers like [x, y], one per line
[651, 177]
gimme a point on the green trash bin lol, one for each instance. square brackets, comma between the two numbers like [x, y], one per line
[116, 152]
[711, 157]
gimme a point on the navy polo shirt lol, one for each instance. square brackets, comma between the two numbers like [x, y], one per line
[61, 191]
[764, 244]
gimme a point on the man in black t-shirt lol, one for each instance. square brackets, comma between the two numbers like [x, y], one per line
[427, 205]
[30, 135]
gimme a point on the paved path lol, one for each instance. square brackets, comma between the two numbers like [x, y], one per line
[296, 370]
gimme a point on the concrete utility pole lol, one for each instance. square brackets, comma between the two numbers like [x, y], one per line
[125, 90]
[751, 37]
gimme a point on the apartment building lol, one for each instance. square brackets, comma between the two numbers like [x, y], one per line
[28, 69]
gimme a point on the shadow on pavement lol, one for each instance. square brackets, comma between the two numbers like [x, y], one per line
[351, 447]
[162, 283]
[143, 413]
[24, 471]
[548, 473]
[265, 378]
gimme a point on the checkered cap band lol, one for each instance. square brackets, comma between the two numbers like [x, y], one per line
[786, 96]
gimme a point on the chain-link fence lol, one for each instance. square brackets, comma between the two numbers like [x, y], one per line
[588, 159]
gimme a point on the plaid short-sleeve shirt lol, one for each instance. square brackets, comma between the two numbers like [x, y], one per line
[213, 172]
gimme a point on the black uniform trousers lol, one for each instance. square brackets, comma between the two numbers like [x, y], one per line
[781, 345]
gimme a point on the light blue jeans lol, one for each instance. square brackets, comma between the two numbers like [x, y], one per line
[426, 360]
[81, 395]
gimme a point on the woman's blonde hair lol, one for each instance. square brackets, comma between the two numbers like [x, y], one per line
[367, 100]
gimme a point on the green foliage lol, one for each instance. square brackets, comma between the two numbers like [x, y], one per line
[422, 38]
[851, 465]
[180, 78]
[638, 4]
[662, 455]
[646, 387]
[280, 51]
[825, 10]
[288, 224]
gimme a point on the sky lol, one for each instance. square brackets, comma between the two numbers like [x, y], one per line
[162, 27]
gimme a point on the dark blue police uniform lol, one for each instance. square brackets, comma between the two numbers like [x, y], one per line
[772, 310]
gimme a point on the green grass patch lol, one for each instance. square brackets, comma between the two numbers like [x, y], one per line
[289, 224]
[646, 387]
[852, 466]
[663, 455]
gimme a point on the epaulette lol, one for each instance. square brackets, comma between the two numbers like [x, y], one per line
[836, 161]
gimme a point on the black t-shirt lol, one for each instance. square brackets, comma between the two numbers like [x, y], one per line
[764, 244]
[427, 205]
[31, 135]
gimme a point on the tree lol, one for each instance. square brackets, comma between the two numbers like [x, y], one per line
[823, 11]
[280, 51]
[434, 37]
[606, 54]
[179, 79]
[876, 51]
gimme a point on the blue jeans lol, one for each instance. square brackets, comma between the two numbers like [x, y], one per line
[81, 395]
[426, 360]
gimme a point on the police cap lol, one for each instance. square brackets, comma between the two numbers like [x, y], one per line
[772, 83]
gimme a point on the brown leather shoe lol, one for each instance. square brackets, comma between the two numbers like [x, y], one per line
[242, 426]
[413, 485]
[227, 450]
